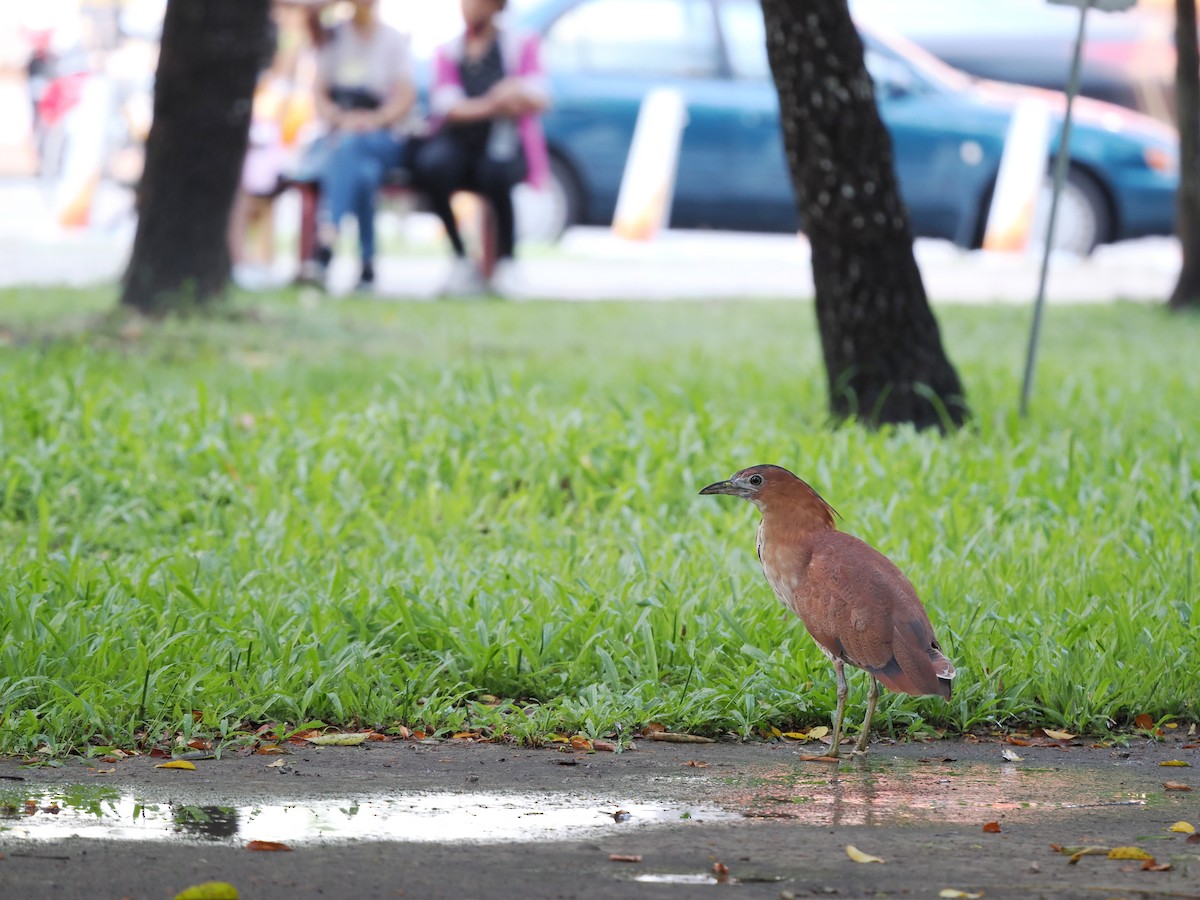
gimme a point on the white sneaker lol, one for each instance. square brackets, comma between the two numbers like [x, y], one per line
[506, 279]
[464, 280]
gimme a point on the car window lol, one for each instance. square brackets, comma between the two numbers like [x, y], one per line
[675, 38]
[745, 39]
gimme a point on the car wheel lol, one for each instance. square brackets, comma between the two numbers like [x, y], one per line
[1083, 219]
[543, 215]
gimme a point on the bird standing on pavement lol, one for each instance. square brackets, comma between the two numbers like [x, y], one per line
[853, 600]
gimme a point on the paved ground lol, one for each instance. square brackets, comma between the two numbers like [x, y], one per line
[590, 263]
[467, 820]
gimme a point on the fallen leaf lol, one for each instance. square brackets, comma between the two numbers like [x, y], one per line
[1193, 839]
[338, 740]
[177, 764]
[1190, 747]
[1010, 755]
[620, 815]
[859, 857]
[1076, 853]
[720, 869]
[1019, 742]
[1152, 866]
[209, 890]
[1059, 735]
[268, 846]
[796, 735]
[696, 764]
[101, 771]
[277, 764]
[1128, 853]
[672, 737]
[464, 735]
[991, 827]
[604, 746]
[1174, 762]
[625, 857]
[807, 757]
[269, 750]
[200, 744]
[653, 728]
[1183, 828]
[1176, 786]
[1143, 721]
[951, 893]
[579, 742]
[815, 734]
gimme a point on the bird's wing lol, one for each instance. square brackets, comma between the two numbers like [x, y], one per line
[866, 612]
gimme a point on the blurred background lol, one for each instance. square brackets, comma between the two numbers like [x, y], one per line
[76, 98]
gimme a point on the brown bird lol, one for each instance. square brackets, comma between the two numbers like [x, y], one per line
[853, 600]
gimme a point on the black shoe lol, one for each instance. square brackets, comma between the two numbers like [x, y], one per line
[313, 271]
[366, 281]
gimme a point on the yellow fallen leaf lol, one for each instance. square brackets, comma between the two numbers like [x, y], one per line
[338, 740]
[817, 733]
[1174, 762]
[859, 857]
[209, 890]
[1128, 853]
[951, 894]
[796, 735]
[1183, 828]
[1058, 735]
[177, 764]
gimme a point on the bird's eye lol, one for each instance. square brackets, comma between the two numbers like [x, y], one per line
[755, 480]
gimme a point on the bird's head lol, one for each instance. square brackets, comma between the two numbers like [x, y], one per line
[768, 486]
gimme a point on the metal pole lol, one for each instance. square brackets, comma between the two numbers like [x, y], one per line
[1061, 161]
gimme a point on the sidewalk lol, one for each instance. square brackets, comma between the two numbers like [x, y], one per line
[592, 264]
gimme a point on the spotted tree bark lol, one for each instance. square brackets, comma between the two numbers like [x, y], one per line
[1187, 105]
[882, 347]
[209, 58]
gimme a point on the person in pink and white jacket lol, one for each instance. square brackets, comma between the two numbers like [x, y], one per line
[487, 95]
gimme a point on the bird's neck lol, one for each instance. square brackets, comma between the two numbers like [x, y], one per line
[797, 510]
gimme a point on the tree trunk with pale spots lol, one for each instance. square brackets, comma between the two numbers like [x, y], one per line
[882, 347]
[209, 59]
[1187, 105]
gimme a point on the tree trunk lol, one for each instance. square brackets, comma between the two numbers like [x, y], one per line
[1187, 105]
[883, 351]
[209, 58]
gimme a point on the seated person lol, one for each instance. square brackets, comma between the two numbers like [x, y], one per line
[487, 93]
[365, 96]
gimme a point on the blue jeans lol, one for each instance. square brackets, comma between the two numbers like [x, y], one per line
[351, 177]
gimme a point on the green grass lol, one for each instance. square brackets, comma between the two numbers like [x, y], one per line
[380, 513]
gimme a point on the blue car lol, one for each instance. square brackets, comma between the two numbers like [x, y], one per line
[947, 129]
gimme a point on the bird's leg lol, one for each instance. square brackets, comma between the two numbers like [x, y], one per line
[839, 670]
[872, 699]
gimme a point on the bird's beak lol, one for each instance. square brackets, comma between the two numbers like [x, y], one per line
[722, 487]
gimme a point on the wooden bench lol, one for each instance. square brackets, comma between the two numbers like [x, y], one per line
[396, 185]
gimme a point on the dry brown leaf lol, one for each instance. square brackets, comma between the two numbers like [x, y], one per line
[1128, 853]
[808, 757]
[1151, 865]
[1174, 762]
[696, 764]
[101, 771]
[1176, 786]
[604, 746]
[1059, 735]
[1193, 839]
[625, 857]
[720, 869]
[1143, 721]
[1183, 828]
[269, 750]
[1016, 741]
[991, 827]
[653, 728]
[579, 742]
[672, 737]
[859, 857]
[464, 735]
[178, 764]
[268, 846]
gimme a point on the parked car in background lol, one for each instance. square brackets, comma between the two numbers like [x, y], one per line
[947, 129]
[1128, 57]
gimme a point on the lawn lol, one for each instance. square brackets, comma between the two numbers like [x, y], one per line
[485, 516]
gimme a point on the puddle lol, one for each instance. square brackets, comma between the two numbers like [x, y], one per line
[893, 792]
[100, 812]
